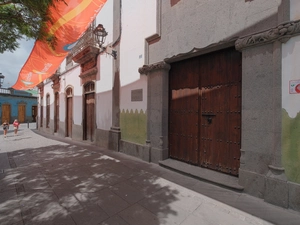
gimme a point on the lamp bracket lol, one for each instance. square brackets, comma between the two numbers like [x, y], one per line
[109, 50]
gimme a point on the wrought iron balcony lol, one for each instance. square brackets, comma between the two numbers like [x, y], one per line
[87, 39]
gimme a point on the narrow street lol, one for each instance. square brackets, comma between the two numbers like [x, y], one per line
[47, 181]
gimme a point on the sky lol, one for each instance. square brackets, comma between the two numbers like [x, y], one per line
[12, 62]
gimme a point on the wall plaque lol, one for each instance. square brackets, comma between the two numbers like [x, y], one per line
[137, 95]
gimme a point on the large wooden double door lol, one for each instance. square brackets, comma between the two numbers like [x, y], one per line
[205, 111]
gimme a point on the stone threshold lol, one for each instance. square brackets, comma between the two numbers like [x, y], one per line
[203, 174]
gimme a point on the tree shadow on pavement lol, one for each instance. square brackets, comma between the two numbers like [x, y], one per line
[72, 185]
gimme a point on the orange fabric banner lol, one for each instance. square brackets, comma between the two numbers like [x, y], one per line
[70, 21]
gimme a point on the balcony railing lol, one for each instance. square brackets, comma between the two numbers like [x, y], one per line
[87, 39]
[10, 91]
[4, 91]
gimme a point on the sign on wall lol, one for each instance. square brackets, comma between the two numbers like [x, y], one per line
[294, 87]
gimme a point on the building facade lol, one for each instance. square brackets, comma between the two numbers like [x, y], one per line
[218, 92]
[20, 105]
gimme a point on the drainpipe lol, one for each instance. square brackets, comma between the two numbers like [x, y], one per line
[117, 30]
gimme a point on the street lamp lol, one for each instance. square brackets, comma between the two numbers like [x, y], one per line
[1, 79]
[100, 34]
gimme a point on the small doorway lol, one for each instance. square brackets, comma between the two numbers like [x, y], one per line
[56, 112]
[47, 110]
[6, 113]
[21, 113]
[42, 111]
[34, 113]
[89, 111]
[69, 112]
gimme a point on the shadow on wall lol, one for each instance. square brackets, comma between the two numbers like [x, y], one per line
[66, 184]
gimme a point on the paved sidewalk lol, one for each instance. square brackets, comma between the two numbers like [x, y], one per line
[47, 181]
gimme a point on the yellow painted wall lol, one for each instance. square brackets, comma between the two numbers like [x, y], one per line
[134, 126]
[291, 146]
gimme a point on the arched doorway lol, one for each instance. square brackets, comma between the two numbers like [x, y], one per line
[89, 111]
[69, 111]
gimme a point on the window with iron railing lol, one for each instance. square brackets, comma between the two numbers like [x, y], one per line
[87, 39]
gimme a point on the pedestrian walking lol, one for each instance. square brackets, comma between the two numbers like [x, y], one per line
[16, 126]
[5, 126]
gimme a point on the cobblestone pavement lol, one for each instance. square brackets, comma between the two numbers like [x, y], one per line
[45, 181]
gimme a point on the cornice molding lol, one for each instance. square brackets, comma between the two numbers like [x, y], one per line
[146, 69]
[54, 77]
[227, 43]
[282, 33]
[55, 82]
[89, 72]
[41, 89]
[88, 75]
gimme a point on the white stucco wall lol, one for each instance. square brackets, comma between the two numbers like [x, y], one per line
[105, 66]
[291, 67]
[105, 70]
[71, 79]
[62, 107]
[295, 9]
[126, 103]
[48, 90]
[290, 73]
[138, 23]
[105, 17]
[135, 28]
[104, 110]
[199, 23]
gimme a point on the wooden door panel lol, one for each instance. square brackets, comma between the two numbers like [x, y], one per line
[42, 115]
[56, 112]
[234, 124]
[183, 112]
[213, 129]
[87, 119]
[6, 113]
[221, 97]
[191, 121]
[21, 113]
[69, 116]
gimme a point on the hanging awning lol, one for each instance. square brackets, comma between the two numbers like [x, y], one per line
[70, 22]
